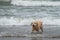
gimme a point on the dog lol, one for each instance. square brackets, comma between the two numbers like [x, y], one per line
[37, 25]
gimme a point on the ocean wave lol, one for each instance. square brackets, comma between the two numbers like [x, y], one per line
[14, 21]
[27, 21]
[35, 3]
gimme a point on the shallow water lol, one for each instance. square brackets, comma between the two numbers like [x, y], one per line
[24, 33]
[21, 38]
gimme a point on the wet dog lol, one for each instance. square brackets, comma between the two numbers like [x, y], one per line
[37, 25]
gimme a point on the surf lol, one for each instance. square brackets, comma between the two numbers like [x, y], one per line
[27, 21]
[35, 3]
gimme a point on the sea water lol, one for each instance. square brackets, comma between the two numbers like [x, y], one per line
[15, 20]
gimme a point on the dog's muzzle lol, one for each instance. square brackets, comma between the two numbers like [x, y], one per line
[34, 25]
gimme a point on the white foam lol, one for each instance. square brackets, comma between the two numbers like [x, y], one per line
[14, 21]
[35, 3]
[27, 21]
[6, 21]
[51, 21]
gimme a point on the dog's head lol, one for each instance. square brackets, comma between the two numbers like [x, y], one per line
[34, 24]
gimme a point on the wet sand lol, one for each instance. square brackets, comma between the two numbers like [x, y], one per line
[51, 32]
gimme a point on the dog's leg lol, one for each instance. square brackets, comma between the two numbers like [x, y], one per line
[33, 29]
[41, 29]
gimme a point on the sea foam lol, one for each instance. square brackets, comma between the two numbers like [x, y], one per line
[35, 3]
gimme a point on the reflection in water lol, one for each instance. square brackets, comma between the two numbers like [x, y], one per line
[36, 38]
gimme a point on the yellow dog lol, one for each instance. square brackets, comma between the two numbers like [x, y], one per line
[37, 25]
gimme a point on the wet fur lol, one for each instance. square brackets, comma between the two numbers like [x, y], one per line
[38, 26]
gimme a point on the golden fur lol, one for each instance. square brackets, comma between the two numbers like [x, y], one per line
[37, 25]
